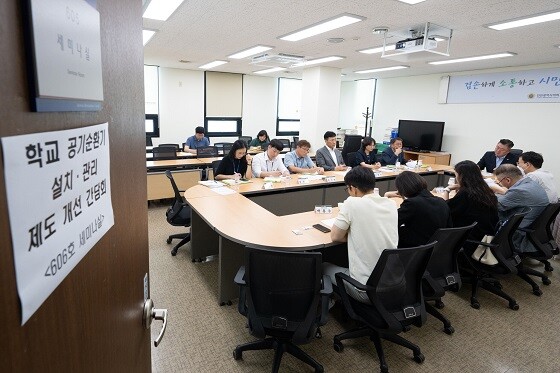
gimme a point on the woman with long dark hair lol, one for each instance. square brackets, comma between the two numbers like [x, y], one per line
[236, 164]
[474, 201]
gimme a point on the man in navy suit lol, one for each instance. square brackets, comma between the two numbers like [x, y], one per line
[500, 155]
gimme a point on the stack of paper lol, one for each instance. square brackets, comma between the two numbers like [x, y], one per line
[233, 182]
[272, 179]
[211, 183]
[328, 222]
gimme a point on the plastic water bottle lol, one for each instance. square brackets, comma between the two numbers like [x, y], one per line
[397, 164]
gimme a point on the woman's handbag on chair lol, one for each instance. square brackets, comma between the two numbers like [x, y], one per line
[483, 254]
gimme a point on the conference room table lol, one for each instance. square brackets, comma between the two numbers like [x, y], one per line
[226, 219]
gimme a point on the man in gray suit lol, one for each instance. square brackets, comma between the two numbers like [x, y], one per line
[521, 192]
[328, 156]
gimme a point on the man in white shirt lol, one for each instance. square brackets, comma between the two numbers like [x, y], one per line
[531, 163]
[369, 223]
[268, 163]
[328, 156]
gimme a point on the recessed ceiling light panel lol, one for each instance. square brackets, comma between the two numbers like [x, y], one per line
[250, 52]
[399, 67]
[272, 70]
[323, 26]
[388, 47]
[161, 9]
[531, 20]
[319, 60]
[212, 64]
[476, 58]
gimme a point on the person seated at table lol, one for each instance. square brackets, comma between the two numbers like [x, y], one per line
[501, 155]
[531, 163]
[393, 153]
[522, 192]
[196, 141]
[368, 223]
[268, 163]
[297, 161]
[421, 213]
[474, 201]
[366, 156]
[261, 141]
[328, 156]
[236, 164]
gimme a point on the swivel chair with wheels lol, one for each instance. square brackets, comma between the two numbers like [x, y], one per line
[443, 271]
[215, 165]
[351, 157]
[352, 143]
[284, 296]
[484, 275]
[162, 153]
[394, 289]
[179, 214]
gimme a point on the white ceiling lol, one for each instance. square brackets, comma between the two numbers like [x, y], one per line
[201, 31]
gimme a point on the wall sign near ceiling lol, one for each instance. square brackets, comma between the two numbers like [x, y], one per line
[66, 44]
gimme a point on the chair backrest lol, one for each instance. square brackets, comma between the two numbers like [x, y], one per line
[442, 266]
[283, 293]
[540, 228]
[503, 251]
[149, 141]
[352, 143]
[223, 147]
[206, 152]
[516, 152]
[179, 213]
[351, 159]
[295, 139]
[164, 153]
[397, 286]
[215, 165]
[247, 139]
[285, 143]
[176, 146]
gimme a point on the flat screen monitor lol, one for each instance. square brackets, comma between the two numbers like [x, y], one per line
[421, 135]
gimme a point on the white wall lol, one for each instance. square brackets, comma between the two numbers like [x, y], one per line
[259, 105]
[471, 129]
[181, 104]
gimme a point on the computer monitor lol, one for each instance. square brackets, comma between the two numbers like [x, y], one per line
[421, 135]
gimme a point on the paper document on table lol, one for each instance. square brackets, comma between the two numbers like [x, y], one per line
[272, 179]
[328, 222]
[310, 177]
[233, 182]
[211, 183]
[224, 191]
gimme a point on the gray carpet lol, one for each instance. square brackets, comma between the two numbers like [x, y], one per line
[201, 335]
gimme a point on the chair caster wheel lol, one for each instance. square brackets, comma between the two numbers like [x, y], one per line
[475, 304]
[168, 241]
[338, 346]
[449, 330]
[514, 306]
[546, 281]
[222, 304]
[229, 303]
[318, 334]
[384, 369]
[499, 286]
[319, 369]
[419, 358]
[173, 252]
[439, 304]
[537, 292]
[237, 355]
[193, 260]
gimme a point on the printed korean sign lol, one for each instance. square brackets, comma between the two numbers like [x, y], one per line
[59, 203]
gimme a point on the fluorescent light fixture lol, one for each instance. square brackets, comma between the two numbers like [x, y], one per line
[161, 9]
[382, 69]
[212, 64]
[545, 17]
[249, 52]
[318, 60]
[388, 47]
[411, 2]
[342, 20]
[477, 58]
[147, 35]
[271, 70]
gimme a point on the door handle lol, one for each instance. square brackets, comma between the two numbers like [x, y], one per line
[156, 314]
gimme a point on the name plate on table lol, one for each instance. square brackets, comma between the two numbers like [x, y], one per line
[378, 174]
[323, 209]
[267, 186]
[329, 179]
[303, 181]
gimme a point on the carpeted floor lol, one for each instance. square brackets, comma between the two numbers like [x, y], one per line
[201, 335]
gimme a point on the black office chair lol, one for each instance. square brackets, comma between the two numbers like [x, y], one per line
[482, 275]
[162, 153]
[223, 147]
[285, 143]
[149, 141]
[206, 152]
[247, 139]
[516, 152]
[179, 214]
[540, 235]
[352, 143]
[176, 146]
[395, 291]
[215, 165]
[443, 271]
[351, 159]
[283, 297]
[295, 139]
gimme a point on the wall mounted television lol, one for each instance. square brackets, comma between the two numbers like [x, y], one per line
[420, 135]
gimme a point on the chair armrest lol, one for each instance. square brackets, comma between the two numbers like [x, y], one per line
[487, 244]
[526, 230]
[327, 286]
[340, 278]
[352, 282]
[432, 283]
[240, 277]
[326, 291]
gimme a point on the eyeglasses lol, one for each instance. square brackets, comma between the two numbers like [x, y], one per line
[347, 187]
[305, 149]
[499, 182]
